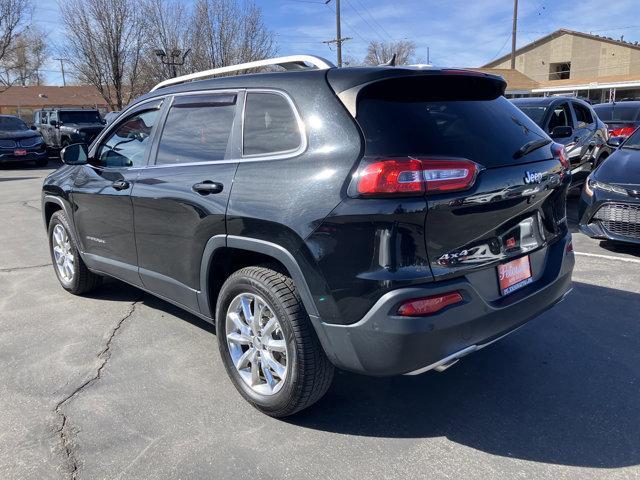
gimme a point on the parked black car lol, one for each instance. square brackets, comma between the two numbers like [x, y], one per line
[19, 143]
[573, 123]
[63, 126]
[610, 202]
[622, 118]
[381, 220]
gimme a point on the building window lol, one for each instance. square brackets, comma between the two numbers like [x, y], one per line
[559, 71]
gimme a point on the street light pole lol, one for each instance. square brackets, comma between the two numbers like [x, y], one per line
[61, 60]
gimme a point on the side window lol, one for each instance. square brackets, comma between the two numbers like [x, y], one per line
[127, 145]
[561, 117]
[270, 126]
[583, 114]
[53, 116]
[197, 129]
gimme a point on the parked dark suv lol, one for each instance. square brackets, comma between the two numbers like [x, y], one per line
[573, 123]
[381, 220]
[64, 126]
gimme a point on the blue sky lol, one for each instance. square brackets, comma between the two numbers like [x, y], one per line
[458, 33]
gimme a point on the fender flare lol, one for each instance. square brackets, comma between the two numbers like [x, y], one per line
[253, 245]
[64, 205]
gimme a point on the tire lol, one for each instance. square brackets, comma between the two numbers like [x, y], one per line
[75, 277]
[307, 373]
[42, 162]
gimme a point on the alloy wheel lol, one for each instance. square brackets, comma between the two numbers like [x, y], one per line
[63, 253]
[256, 343]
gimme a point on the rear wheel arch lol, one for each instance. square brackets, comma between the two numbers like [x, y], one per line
[225, 255]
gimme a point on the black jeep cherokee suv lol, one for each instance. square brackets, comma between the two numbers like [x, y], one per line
[380, 220]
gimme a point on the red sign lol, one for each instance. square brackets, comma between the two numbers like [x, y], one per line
[514, 275]
[20, 152]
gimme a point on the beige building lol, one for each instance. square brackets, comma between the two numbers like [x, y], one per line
[568, 62]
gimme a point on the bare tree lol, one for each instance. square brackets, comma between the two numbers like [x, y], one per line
[166, 29]
[14, 16]
[226, 32]
[381, 52]
[26, 57]
[103, 44]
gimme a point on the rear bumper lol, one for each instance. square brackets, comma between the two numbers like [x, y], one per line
[383, 343]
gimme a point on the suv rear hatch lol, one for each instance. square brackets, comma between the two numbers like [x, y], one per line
[515, 204]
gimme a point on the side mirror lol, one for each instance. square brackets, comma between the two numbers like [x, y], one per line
[33, 127]
[75, 154]
[615, 142]
[53, 123]
[561, 132]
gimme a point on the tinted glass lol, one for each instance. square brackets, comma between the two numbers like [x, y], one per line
[127, 145]
[270, 125]
[12, 124]
[633, 141]
[488, 132]
[560, 117]
[582, 113]
[618, 112]
[197, 129]
[80, 117]
[534, 112]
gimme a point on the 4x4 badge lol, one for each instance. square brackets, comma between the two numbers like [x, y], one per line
[532, 177]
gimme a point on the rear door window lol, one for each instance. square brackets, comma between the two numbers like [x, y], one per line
[197, 129]
[430, 121]
[560, 117]
[583, 114]
[270, 125]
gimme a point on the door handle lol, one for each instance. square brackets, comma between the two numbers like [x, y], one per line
[120, 184]
[207, 187]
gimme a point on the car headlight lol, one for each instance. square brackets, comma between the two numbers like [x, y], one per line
[591, 185]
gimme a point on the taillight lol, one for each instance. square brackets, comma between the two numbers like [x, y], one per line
[561, 155]
[622, 131]
[412, 176]
[419, 307]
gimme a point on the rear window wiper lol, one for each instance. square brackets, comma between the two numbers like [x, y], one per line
[530, 147]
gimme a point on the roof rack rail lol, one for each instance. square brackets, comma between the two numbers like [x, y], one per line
[291, 62]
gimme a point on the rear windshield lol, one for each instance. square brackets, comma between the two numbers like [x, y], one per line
[12, 124]
[80, 117]
[617, 112]
[488, 131]
[534, 112]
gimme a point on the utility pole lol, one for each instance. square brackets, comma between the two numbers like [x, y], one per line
[61, 60]
[513, 34]
[338, 40]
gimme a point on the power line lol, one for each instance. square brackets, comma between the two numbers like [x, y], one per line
[375, 21]
[373, 29]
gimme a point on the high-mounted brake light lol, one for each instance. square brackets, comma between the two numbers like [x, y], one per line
[560, 153]
[412, 176]
[419, 307]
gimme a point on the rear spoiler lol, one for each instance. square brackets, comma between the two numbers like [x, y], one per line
[414, 83]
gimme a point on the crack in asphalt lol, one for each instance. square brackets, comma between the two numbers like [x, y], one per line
[26, 204]
[104, 355]
[13, 269]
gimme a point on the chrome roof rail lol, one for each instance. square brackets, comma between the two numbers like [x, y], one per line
[291, 62]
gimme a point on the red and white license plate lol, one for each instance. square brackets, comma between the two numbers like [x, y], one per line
[20, 152]
[514, 275]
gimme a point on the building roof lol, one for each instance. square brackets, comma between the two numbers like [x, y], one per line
[48, 96]
[516, 80]
[558, 33]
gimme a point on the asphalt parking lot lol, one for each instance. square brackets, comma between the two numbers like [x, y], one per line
[123, 385]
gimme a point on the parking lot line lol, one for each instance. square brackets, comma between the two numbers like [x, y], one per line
[609, 257]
